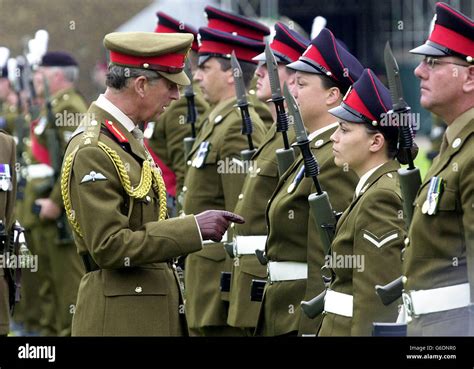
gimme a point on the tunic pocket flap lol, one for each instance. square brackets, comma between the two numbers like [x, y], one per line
[267, 168]
[447, 201]
[134, 282]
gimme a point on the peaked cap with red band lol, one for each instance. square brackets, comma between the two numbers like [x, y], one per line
[367, 101]
[327, 56]
[168, 24]
[221, 44]
[160, 52]
[235, 24]
[452, 35]
[287, 45]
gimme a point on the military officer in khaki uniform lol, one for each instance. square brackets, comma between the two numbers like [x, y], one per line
[293, 241]
[216, 172]
[439, 257]
[366, 250]
[238, 25]
[7, 203]
[42, 204]
[8, 98]
[259, 184]
[127, 245]
[165, 136]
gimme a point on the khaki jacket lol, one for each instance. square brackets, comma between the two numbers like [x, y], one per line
[439, 245]
[366, 252]
[215, 185]
[135, 292]
[256, 191]
[7, 203]
[292, 237]
[68, 108]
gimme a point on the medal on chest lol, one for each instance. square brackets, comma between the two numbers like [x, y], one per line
[296, 181]
[150, 128]
[435, 188]
[5, 178]
[201, 154]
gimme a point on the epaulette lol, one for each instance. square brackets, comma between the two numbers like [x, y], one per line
[90, 132]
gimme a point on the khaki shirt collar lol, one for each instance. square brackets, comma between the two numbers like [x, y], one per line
[458, 125]
[316, 133]
[363, 179]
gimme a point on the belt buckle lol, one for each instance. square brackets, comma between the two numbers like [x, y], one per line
[408, 303]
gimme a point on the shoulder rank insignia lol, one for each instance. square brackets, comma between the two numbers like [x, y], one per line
[115, 131]
[92, 177]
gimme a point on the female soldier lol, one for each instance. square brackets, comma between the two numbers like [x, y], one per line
[369, 235]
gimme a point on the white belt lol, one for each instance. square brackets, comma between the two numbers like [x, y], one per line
[247, 245]
[36, 171]
[338, 303]
[287, 270]
[210, 242]
[436, 299]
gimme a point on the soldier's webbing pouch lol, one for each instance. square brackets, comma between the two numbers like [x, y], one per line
[256, 291]
[89, 263]
[225, 281]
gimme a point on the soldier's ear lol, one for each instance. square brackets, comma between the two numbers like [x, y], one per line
[229, 76]
[333, 96]
[378, 142]
[291, 80]
[468, 85]
[139, 85]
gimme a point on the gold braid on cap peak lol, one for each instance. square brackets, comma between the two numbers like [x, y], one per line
[149, 177]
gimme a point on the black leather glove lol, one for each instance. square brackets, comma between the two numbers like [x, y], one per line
[214, 223]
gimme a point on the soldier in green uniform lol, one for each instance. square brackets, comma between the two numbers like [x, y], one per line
[323, 74]
[115, 197]
[42, 204]
[439, 258]
[259, 184]
[165, 136]
[8, 98]
[216, 172]
[7, 203]
[233, 23]
[366, 250]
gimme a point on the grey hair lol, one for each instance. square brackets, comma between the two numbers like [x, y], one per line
[71, 72]
[118, 76]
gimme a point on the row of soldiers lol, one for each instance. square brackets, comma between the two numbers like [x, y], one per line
[272, 209]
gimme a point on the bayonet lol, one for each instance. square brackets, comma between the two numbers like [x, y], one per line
[277, 98]
[410, 178]
[242, 103]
